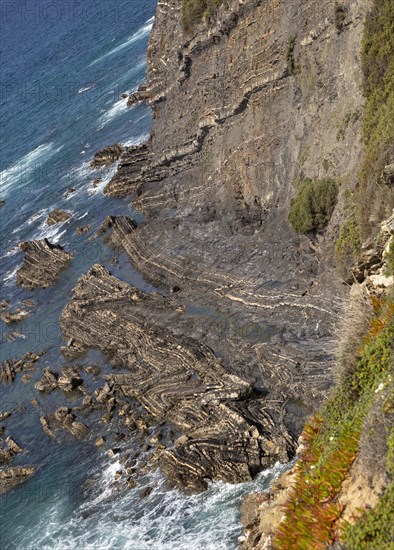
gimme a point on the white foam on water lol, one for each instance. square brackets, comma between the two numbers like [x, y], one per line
[106, 178]
[164, 520]
[117, 108]
[138, 35]
[85, 89]
[11, 252]
[8, 278]
[52, 233]
[24, 170]
[136, 140]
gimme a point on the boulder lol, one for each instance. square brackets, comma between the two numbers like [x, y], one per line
[70, 379]
[48, 382]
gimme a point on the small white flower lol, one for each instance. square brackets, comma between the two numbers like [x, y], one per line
[379, 388]
[331, 438]
[312, 467]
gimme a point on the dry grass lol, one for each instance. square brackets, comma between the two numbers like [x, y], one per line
[351, 330]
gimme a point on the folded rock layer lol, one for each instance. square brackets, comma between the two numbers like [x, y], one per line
[231, 432]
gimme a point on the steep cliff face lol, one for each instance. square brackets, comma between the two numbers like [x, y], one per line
[235, 119]
[267, 93]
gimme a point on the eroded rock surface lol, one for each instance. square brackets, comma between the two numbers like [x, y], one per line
[230, 432]
[12, 477]
[42, 264]
[108, 155]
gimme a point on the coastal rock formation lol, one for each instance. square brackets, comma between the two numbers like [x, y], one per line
[215, 181]
[108, 155]
[139, 96]
[216, 178]
[42, 264]
[58, 216]
[67, 419]
[130, 171]
[12, 477]
[231, 432]
[11, 367]
[120, 226]
[48, 382]
[16, 316]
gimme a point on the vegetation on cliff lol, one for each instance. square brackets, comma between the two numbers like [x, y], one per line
[194, 11]
[373, 199]
[313, 205]
[357, 423]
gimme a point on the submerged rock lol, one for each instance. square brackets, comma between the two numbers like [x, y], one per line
[42, 264]
[58, 216]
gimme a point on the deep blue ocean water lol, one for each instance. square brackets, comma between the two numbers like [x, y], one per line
[64, 66]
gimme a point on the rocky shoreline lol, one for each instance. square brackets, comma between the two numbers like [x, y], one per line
[228, 355]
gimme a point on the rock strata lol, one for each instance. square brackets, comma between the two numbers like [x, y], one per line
[108, 155]
[58, 216]
[141, 95]
[232, 433]
[43, 262]
[12, 477]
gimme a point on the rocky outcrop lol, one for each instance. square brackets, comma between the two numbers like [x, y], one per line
[11, 450]
[10, 317]
[107, 156]
[116, 228]
[262, 513]
[82, 229]
[231, 432]
[12, 477]
[11, 367]
[141, 95]
[231, 132]
[67, 419]
[42, 264]
[129, 174]
[48, 382]
[58, 216]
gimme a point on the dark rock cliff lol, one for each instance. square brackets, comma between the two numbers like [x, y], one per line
[240, 111]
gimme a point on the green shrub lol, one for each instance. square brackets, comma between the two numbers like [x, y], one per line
[193, 11]
[313, 205]
[290, 53]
